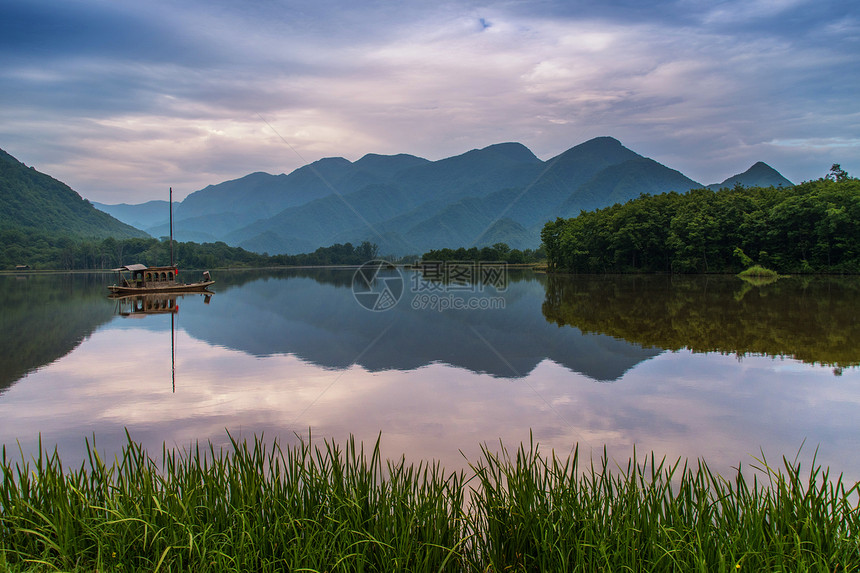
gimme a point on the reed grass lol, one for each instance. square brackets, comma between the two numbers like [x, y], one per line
[261, 507]
[538, 514]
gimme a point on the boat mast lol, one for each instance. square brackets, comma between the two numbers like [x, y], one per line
[171, 226]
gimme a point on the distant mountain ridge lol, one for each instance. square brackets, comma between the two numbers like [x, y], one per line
[141, 216]
[407, 204]
[35, 201]
[759, 175]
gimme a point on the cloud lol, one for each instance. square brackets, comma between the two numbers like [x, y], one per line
[114, 99]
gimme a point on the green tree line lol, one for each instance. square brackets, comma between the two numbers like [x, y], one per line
[813, 227]
[38, 250]
[498, 252]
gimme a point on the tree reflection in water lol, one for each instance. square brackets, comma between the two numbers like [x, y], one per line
[811, 319]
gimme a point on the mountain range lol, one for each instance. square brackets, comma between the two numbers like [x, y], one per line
[406, 204]
[409, 205]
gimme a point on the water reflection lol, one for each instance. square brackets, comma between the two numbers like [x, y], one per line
[140, 305]
[283, 352]
[618, 321]
[812, 319]
[315, 317]
[44, 317]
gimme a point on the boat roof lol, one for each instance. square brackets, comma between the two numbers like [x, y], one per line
[138, 267]
[132, 268]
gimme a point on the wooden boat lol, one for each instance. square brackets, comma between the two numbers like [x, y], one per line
[145, 279]
[140, 279]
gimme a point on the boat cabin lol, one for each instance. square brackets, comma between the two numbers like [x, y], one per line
[147, 277]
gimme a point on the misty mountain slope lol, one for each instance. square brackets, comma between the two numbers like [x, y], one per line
[529, 206]
[390, 234]
[321, 220]
[474, 173]
[431, 185]
[274, 243]
[141, 216]
[202, 229]
[445, 197]
[457, 225]
[408, 205]
[251, 192]
[508, 231]
[579, 164]
[624, 182]
[260, 195]
[386, 167]
[561, 176]
[468, 222]
[759, 175]
[217, 210]
[460, 224]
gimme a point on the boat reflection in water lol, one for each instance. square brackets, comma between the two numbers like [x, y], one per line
[141, 305]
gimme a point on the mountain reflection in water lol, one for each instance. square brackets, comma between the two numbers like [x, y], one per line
[44, 317]
[313, 315]
[279, 352]
[617, 321]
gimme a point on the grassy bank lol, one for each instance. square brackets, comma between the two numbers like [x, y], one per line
[263, 507]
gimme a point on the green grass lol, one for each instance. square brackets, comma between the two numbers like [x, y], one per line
[261, 507]
[758, 271]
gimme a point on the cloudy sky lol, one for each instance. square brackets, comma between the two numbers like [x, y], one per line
[122, 99]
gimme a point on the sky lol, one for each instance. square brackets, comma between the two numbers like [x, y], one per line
[121, 100]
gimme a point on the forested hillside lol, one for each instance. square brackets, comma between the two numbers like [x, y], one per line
[33, 201]
[811, 227]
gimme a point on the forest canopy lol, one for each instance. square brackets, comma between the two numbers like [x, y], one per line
[498, 252]
[813, 227]
[39, 250]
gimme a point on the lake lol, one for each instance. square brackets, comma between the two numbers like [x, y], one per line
[707, 367]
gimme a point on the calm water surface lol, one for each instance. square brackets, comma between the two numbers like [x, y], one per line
[702, 367]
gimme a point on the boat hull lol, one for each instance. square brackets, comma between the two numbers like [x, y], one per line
[191, 287]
